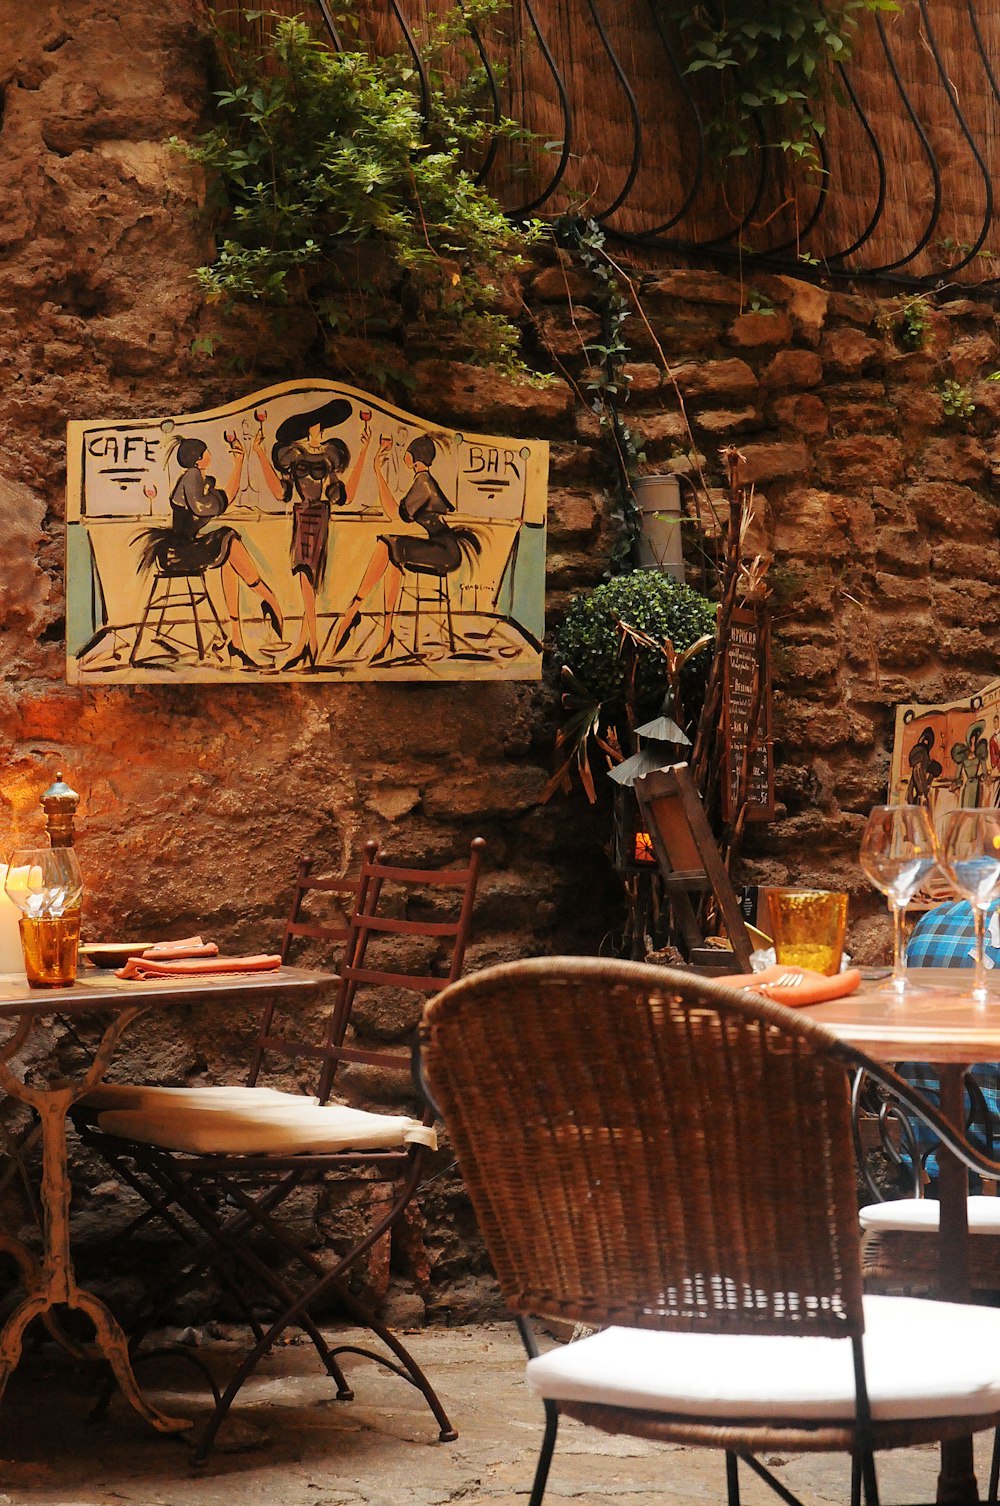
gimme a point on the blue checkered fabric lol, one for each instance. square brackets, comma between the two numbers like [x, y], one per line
[945, 937]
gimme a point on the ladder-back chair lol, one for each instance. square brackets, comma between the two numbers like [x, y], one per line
[654, 1151]
[226, 1167]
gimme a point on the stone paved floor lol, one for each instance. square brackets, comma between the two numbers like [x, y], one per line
[290, 1444]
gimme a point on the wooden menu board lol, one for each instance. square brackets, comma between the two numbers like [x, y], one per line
[749, 646]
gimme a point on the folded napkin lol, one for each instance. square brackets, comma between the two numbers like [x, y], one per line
[194, 967]
[191, 946]
[791, 985]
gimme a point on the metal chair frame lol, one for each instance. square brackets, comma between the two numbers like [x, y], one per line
[585, 1096]
[217, 1202]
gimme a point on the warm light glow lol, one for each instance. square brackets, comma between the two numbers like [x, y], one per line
[644, 848]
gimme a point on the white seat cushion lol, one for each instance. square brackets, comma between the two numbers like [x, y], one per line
[278, 1124]
[921, 1215]
[126, 1095]
[923, 1359]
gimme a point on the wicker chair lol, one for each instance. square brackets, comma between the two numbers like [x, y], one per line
[218, 1163]
[651, 1150]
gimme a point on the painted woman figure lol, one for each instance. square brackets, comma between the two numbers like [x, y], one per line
[189, 547]
[305, 469]
[439, 553]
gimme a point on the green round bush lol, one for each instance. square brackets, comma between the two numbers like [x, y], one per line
[587, 639]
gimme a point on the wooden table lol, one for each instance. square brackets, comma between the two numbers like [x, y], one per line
[946, 1026]
[50, 1282]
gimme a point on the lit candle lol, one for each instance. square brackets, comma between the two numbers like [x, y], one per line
[11, 956]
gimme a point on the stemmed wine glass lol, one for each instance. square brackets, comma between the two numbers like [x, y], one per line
[898, 851]
[970, 854]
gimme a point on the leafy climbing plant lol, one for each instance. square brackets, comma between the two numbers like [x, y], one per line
[773, 61]
[336, 191]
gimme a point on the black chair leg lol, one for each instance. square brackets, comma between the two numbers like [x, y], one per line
[732, 1479]
[545, 1457]
[994, 1467]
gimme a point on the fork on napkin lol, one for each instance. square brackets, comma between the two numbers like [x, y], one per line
[791, 985]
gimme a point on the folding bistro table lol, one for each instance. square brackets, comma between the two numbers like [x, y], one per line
[945, 1026]
[114, 1003]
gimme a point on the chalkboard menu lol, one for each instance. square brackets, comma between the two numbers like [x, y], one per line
[748, 647]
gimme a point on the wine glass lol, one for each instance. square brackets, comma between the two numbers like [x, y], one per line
[898, 851]
[970, 855]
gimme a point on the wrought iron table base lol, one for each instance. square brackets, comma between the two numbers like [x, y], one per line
[51, 1282]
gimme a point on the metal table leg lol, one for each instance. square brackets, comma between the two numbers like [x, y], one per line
[957, 1479]
[51, 1283]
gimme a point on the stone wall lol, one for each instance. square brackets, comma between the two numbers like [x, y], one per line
[197, 801]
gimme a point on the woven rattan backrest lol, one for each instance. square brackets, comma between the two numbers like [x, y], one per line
[320, 911]
[409, 931]
[647, 1147]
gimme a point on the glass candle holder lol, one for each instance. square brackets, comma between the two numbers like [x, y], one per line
[808, 926]
[46, 885]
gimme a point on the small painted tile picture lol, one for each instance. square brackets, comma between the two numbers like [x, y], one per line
[947, 757]
[307, 531]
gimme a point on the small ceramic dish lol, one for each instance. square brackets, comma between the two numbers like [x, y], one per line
[112, 953]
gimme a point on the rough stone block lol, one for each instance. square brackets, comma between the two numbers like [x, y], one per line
[916, 367]
[754, 330]
[805, 413]
[849, 352]
[952, 509]
[558, 333]
[573, 514]
[725, 421]
[730, 378]
[768, 462]
[902, 551]
[644, 377]
[692, 286]
[555, 284]
[653, 428]
[793, 368]
[492, 403]
[972, 357]
[958, 457]
[806, 303]
[854, 308]
[904, 640]
[870, 458]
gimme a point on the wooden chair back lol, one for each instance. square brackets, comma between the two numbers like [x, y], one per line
[690, 862]
[409, 931]
[320, 911]
[392, 928]
[647, 1147]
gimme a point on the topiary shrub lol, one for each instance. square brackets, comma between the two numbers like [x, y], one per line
[587, 642]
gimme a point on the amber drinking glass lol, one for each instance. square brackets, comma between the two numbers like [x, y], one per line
[46, 885]
[807, 926]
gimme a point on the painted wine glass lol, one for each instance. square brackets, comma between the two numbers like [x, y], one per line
[970, 855]
[898, 851]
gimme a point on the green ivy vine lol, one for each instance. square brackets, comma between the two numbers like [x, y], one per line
[334, 191]
[608, 385]
[773, 62]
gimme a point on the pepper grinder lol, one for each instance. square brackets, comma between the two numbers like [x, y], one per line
[60, 803]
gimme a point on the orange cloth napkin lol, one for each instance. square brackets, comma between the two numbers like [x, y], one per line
[191, 946]
[193, 967]
[808, 987]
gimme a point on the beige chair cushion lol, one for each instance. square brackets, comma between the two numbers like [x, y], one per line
[275, 1124]
[922, 1215]
[126, 1095]
[923, 1359]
